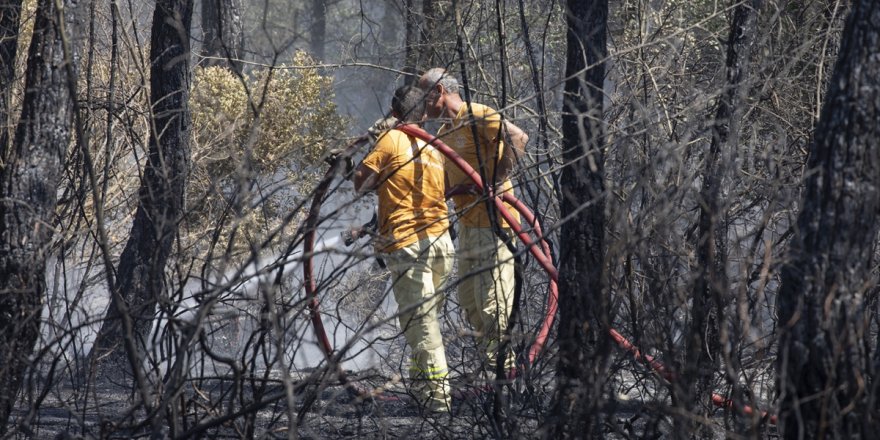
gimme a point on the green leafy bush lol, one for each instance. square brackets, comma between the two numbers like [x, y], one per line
[256, 141]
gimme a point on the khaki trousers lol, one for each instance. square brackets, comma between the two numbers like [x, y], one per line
[486, 268]
[419, 273]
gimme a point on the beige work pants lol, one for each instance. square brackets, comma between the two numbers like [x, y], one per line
[419, 274]
[486, 269]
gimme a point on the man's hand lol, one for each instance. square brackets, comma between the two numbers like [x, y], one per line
[381, 126]
[336, 155]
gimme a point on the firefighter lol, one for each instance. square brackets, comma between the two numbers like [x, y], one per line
[486, 265]
[408, 176]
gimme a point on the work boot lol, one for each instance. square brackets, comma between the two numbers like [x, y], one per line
[433, 397]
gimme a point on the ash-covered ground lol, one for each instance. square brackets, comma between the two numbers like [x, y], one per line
[314, 405]
[248, 379]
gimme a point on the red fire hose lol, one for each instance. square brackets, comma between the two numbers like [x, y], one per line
[541, 255]
[311, 226]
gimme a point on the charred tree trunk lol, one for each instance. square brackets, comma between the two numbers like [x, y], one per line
[827, 377]
[28, 185]
[318, 37]
[223, 35]
[711, 286]
[141, 273]
[428, 40]
[584, 317]
[429, 43]
[411, 43]
[10, 14]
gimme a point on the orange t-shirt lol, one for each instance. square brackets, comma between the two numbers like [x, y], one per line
[459, 135]
[411, 188]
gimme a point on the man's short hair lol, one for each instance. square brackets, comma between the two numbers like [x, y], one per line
[439, 75]
[408, 103]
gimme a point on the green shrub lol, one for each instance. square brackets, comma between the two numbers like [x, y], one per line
[256, 141]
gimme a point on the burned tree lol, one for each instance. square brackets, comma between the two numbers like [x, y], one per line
[710, 291]
[140, 276]
[583, 297]
[318, 39]
[222, 34]
[28, 184]
[427, 42]
[10, 12]
[828, 361]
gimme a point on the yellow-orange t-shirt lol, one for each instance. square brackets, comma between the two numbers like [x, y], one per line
[411, 187]
[459, 135]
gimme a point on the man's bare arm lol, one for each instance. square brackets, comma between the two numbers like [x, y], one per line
[515, 140]
[365, 179]
[515, 137]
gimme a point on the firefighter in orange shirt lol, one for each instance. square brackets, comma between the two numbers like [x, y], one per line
[485, 264]
[408, 176]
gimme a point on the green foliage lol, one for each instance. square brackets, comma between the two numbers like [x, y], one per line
[296, 116]
[256, 135]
